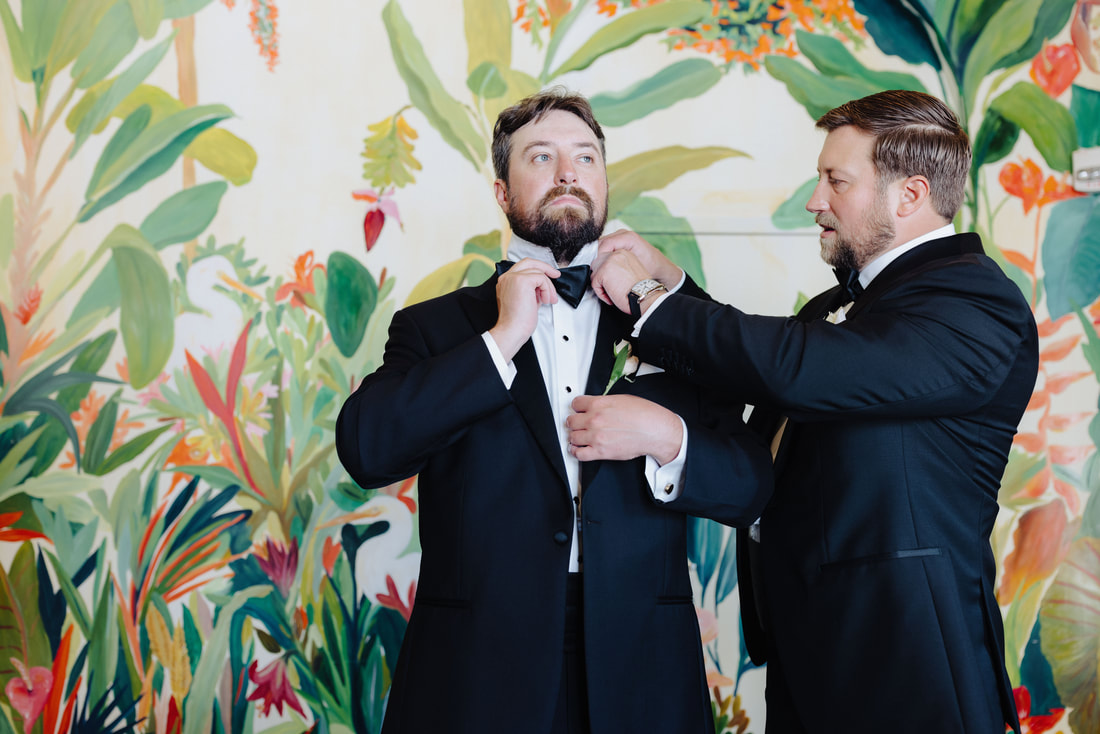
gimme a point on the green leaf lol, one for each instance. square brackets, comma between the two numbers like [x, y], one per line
[349, 301]
[1006, 32]
[20, 61]
[629, 27]
[727, 570]
[119, 89]
[13, 469]
[151, 154]
[147, 15]
[900, 29]
[1071, 255]
[792, 214]
[813, 91]
[7, 230]
[489, 245]
[486, 82]
[682, 80]
[833, 59]
[77, 607]
[22, 634]
[41, 19]
[100, 435]
[184, 215]
[1052, 18]
[443, 111]
[1048, 123]
[182, 8]
[225, 154]
[74, 32]
[672, 235]
[655, 169]
[146, 315]
[130, 450]
[488, 25]
[444, 279]
[114, 38]
[134, 124]
[995, 139]
[704, 548]
[1084, 107]
[520, 85]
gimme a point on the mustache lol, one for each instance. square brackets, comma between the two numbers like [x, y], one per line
[573, 191]
[826, 220]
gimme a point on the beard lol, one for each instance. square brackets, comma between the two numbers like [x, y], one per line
[872, 236]
[563, 231]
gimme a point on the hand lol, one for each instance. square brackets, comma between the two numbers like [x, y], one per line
[653, 260]
[520, 292]
[621, 427]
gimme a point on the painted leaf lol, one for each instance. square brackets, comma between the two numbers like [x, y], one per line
[487, 244]
[426, 91]
[488, 25]
[1049, 22]
[520, 85]
[147, 16]
[21, 633]
[7, 229]
[184, 215]
[118, 90]
[100, 434]
[813, 91]
[1084, 106]
[20, 60]
[900, 29]
[561, 31]
[1049, 125]
[183, 8]
[146, 318]
[349, 301]
[727, 569]
[996, 138]
[151, 154]
[1006, 32]
[629, 27]
[1071, 255]
[131, 127]
[792, 214]
[833, 59]
[114, 38]
[130, 450]
[225, 154]
[40, 22]
[655, 169]
[682, 80]
[671, 235]
[75, 30]
[443, 279]
[486, 82]
[1070, 636]
[704, 548]
[13, 469]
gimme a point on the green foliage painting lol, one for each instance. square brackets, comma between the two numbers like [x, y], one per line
[180, 550]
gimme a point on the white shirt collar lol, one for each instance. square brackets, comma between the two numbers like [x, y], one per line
[520, 248]
[876, 266]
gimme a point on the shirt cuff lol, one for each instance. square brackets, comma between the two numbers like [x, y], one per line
[506, 369]
[667, 482]
[641, 322]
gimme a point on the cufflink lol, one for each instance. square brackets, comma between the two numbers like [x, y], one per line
[669, 487]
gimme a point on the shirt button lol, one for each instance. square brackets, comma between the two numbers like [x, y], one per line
[565, 337]
[568, 389]
[561, 537]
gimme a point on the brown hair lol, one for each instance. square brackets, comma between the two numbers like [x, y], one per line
[915, 134]
[532, 109]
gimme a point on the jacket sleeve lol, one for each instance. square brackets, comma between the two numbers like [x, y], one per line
[936, 344]
[421, 400]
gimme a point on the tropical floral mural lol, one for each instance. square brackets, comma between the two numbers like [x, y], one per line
[180, 550]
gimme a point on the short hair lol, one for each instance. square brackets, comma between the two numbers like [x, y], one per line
[532, 109]
[915, 134]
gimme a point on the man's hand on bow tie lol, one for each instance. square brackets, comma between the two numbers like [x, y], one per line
[520, 292]
[620, 427]
[625, 258]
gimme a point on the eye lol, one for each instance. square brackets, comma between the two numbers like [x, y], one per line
[587, 159]
[541, 157]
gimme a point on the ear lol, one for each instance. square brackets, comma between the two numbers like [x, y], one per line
[501, 190]
[915, 191]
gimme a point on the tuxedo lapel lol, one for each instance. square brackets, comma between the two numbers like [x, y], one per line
[528, 389]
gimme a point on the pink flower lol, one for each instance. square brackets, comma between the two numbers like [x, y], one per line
[29, 692]
[273, 686]
[279, 563]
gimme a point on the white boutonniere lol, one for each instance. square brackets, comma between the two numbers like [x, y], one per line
[626, 365]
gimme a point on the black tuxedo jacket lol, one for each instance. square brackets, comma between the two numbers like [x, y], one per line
[483, 649]
[876, 577]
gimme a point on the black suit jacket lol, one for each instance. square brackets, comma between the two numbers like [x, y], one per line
[877, 573]
[483, 649]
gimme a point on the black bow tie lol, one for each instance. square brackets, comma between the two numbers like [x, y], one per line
[570, 285]
[849, 282]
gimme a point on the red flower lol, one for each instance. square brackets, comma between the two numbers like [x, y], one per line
[273, 686]
[380, 207]
[1033, 724]
[7, 532]
[28, 692]
[1054, 68]
[279, 563]
[392, 599]
[29, 307]
[329, 554]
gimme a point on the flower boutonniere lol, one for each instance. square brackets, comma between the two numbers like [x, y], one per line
[626, 365]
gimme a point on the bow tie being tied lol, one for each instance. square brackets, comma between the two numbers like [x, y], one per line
[570, 285]
[849, 282]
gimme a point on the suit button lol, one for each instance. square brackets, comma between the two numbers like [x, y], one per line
[561, 537]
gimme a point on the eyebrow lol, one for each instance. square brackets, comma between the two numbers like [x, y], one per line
[581, 145]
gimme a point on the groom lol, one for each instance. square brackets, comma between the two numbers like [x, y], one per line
[554, 593]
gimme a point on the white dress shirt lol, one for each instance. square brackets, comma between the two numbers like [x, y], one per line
[564, 339]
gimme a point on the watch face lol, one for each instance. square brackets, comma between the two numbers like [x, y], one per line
[643, 287]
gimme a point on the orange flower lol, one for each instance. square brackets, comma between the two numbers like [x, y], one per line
[29, 307]
[8, 533]
[329, 554]
[262, 19]
[1054, 68]
[302, 284]
[1026, 182]
[37, 346]
[1041, 541]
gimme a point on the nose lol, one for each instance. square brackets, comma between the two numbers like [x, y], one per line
[566, 176]
[817, 203]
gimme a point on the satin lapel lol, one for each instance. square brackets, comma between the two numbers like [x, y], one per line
[614, 325]
[528, 389]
